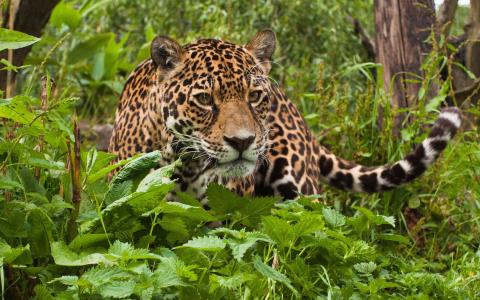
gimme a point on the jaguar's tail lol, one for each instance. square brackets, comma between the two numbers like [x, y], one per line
[353, 177]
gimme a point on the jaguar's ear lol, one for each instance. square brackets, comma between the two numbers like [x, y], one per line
[166, 53]
[262, 46]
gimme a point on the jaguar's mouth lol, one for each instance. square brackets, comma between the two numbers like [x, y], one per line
[239, 167]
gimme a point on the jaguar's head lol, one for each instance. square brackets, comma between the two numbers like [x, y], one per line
[214, 97]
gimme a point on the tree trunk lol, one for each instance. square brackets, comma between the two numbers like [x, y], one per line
[402, 26]
[30, 17]
[473, 34]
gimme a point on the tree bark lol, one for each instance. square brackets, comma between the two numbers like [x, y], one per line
[402, 26]
[473, 34]
[30, 17]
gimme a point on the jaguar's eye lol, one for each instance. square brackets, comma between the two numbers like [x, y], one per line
[204, 98]
[254, 96]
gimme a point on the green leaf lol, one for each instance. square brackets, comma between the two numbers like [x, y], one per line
[9, 254]
[66, 280]
[124, 252]
[137, 167]
[231, 282]
[7, 184]
[272, 274]
[18, 110]
[279, 230]
[158, 177]
[118, 191]
[247, 211]
[172, 272]
[64, 13]
[333, 217]
[184, 210]
[366, 268]
[376, 219]
[177, 230]
[45, 163]
[99, 276]
[88, 48]
[308, 224]
[11, 39]
[393, 237]
[40, 231]
[117, 289]
[63, 256]
[222, 200]
[88, 240]
[206, 243]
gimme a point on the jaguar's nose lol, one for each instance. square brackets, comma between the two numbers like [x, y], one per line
[239, 144]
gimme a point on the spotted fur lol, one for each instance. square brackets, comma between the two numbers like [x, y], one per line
[212, 104]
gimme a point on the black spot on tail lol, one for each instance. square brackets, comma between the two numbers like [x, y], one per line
[326, 165]
[369, 182]
[415, 161]
[395, 174]
[438, 145]
[342, 181]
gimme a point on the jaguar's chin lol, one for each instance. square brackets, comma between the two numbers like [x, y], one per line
[236, 168]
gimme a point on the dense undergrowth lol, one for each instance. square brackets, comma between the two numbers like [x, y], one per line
[68, 233]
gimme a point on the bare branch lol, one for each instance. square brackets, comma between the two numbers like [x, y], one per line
[366, 40]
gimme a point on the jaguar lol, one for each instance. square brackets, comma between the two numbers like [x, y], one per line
[212, 104]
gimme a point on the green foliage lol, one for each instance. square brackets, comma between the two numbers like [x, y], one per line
[125, 240]
[11, 39]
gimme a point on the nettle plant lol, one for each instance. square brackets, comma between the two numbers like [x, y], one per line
[68, 233]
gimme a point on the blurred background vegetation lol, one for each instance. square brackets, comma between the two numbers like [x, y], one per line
[89, 47]
[100, 42]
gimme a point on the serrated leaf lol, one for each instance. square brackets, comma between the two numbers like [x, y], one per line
[11, 39]
[172, 272]
[365, 267]
[66, 280]
[177, 230]
[184, 210]
[308, 224]
[63, 256]
[247, 211]
[272, 274]
[124, 252]
[279, 230]
[239, 248]
[88, 240]
[137, 167]
[117, 289]
[158, 177]
[206, 243]
[376, 219]
[333, 217]
[118, 191]
[231, 282]
[242, 241]
[98, 276]
[222, 200]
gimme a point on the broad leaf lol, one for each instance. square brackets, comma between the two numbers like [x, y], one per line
[11, 39]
